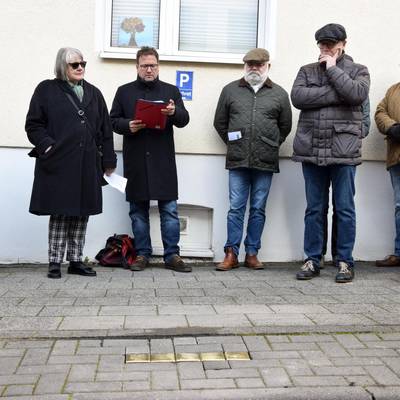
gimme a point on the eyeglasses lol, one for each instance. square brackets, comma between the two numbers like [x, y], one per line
[75, 65]
[145, 66]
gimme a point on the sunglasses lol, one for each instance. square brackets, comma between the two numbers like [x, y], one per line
[75, 65]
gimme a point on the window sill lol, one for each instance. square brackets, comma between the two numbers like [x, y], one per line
[186, 58]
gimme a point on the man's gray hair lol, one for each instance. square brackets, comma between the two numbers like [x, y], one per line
[64, 56]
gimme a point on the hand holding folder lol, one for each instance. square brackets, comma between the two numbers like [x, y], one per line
[149, 112]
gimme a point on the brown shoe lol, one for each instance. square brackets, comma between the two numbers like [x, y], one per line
[230, 261]
[176, 264]
[140, 264]
[252, 262]
[389, 261]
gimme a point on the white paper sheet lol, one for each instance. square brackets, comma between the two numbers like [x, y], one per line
[116, 181]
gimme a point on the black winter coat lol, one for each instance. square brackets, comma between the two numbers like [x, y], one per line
[149, 154]
[68, 177]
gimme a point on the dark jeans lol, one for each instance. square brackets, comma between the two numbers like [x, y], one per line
[170, 230]
[317, 181]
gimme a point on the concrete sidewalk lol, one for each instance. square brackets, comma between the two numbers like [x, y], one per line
[67, 338]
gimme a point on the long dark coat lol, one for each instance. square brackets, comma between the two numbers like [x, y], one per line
[149, 155]
[68, 177]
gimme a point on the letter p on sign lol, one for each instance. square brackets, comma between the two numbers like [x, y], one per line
[184, 82]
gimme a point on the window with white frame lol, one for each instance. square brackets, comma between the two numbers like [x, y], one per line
[188, 30]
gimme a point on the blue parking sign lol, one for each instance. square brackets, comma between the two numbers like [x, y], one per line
[184, 82]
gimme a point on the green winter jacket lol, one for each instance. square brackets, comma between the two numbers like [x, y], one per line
[264, 119]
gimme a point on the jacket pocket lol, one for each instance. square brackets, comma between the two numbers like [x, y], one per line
[235, 150]
[346, 141]
[50, 161]
[302, 143]
[268, 152]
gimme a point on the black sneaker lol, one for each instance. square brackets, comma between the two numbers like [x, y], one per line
[54, 271]
[140, 263]
[79, 268]
[345, 273]
[176, 263]
[308, 271]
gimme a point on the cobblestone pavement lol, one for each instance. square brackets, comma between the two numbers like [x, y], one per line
[67, 338]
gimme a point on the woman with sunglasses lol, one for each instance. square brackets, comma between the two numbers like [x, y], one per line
[69, 125]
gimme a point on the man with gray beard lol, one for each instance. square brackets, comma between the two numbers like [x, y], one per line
[253, 118]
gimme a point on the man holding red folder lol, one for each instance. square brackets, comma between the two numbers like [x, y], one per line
[149, 156]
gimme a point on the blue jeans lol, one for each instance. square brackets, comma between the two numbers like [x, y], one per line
[317, 181]
[139, 214]
[395, 178]
[242, 182]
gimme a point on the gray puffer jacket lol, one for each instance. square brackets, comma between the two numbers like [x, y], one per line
[330, 126]
[264, 119]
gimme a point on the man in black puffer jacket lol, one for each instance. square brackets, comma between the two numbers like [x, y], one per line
[253, 118]
[330, 94]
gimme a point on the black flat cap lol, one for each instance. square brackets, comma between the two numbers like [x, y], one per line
[332, 32]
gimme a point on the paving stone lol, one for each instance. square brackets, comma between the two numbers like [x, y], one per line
[90, 387]
[275, 377]
[294, 346]
[186, 310]
[64, 347]
[98, 322]
[296, 367]
[298, 309]
[43, 369]
[215, 321]
[184, 340]
[266, 363]
[157, 322]
[383, 375]
[325, 380]
[233, 373]
[128, 310]
[34, 323]
[208, 300]
[122, 376]
[277, 339]
[349, 341]
[243, 309]
[339, 371]
[311, 338]
[215, 365]
[18, 344]
[220, 339]
[249, 382]
[384, 393]
[261, 355]
[179, 292]
[136, 386]
[18, 379]
[12, 352]
[102, 301]
[75, 359]
[372, 352]
[191, 370]
[161, 346]
[354, 361]
[51, 384]
[279, 320]
[164, 380]
[207, 383]
[18, 390]
[334, 350]
[82, 373]
[359, 380]
[36, 356]
[55, 311]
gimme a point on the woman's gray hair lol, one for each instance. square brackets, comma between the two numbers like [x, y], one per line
[64, 56]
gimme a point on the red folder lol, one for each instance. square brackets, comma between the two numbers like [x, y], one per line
[149, 112]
